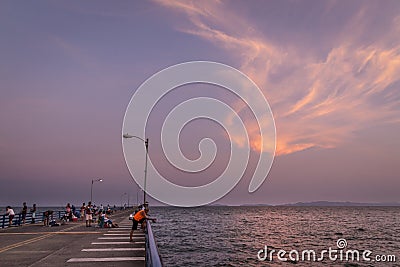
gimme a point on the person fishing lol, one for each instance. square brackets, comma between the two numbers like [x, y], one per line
[11, 214]
[140, 217]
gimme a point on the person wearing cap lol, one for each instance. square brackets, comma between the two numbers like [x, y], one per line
[140, 217]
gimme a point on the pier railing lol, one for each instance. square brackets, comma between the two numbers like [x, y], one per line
[17, 220]
[152, 255]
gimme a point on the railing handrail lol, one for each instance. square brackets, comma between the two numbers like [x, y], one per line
[152, 254]
[39, 217]
[57, 214]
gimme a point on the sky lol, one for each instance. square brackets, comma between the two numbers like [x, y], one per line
[330, 71]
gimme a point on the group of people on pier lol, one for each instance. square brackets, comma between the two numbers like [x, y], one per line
[11, 214]
[86, 212]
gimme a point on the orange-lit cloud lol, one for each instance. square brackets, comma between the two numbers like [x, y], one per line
[320, 102]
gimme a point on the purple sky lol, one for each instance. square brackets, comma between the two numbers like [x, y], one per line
[329, 69]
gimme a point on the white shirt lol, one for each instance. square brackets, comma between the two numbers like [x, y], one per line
[10, 212]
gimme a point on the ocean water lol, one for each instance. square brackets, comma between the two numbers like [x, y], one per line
[233, 236]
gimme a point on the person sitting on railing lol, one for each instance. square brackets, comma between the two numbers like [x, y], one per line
[140, 217]
[10, 212]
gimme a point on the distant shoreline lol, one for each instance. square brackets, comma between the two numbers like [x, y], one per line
[341, 204]
[308, 204]
[297, 204]
[331, 204]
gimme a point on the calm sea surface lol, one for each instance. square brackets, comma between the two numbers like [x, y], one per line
[232, 236]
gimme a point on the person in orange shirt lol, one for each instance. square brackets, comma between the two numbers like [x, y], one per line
[140, 217]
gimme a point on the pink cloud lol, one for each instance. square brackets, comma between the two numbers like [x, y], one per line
[319, 103]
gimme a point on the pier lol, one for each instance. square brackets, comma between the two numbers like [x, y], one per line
[74, 244]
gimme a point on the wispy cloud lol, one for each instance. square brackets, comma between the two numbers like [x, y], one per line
[316, 102]
[74, 52]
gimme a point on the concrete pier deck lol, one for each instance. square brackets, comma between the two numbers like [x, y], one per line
[72, 244]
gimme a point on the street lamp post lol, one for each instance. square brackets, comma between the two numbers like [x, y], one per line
[91, 188]
[146, 144]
